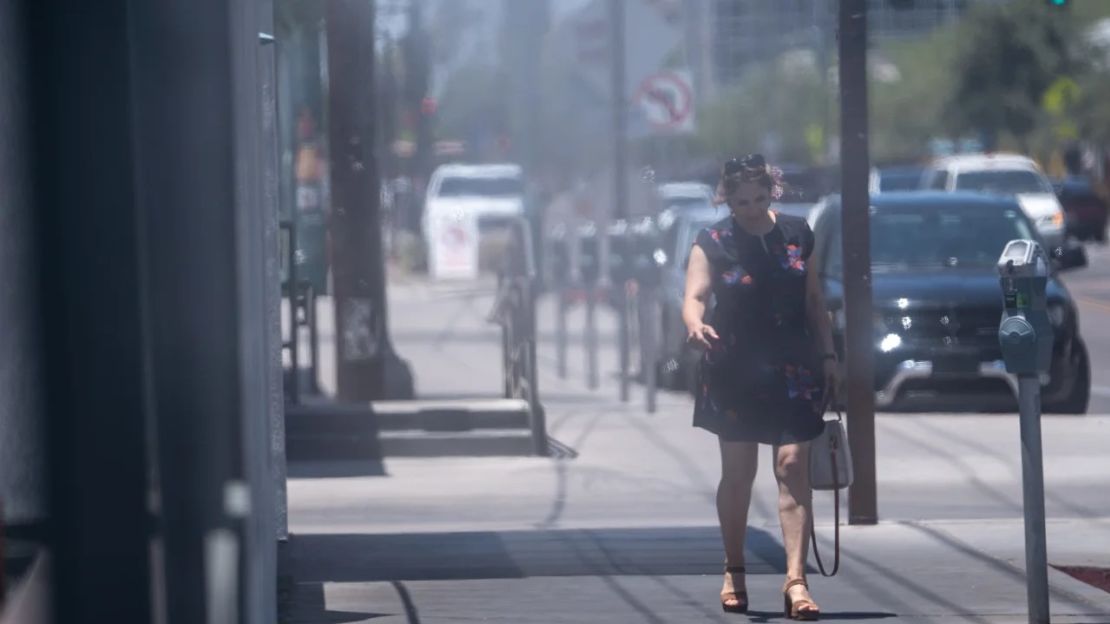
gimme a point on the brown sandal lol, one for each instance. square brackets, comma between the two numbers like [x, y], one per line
[805, 610]
[738, 599]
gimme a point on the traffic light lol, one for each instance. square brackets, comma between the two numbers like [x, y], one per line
[1057, 4]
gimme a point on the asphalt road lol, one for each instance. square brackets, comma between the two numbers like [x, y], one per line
[1091, 288]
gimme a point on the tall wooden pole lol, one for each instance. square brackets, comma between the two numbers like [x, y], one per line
[357, 259]
[856, 215]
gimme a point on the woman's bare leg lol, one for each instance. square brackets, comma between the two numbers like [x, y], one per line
[795, 502]
[739, 463]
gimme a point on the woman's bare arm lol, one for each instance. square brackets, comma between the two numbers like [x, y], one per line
[698, 289]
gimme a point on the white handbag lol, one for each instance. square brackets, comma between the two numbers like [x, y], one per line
[830, 458]
[830, 468]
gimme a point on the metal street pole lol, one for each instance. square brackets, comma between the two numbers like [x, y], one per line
[71, 238]
[855, 167]
[620, 166]
[1032, 470]
[355, 212]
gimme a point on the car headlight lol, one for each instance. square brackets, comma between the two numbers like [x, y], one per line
[890, 342]
[1052, 221]
[1057, 314]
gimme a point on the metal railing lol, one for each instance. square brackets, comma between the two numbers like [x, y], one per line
[515, 311]
[300, 296]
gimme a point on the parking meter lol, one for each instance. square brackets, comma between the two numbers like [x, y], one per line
[645, 266]
[620, 255]
[589, 262]
[1025, 333]
[1025, 336]
[557, 264]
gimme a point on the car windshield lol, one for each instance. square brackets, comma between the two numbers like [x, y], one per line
[908, 180]
[481, 187]
[1002, 182]
[954, 238]
[685, 203]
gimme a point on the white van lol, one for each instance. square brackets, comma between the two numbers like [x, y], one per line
[1005, 174]
[467, 206]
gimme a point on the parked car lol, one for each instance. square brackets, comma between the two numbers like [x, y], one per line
[685, 195]
[493, 194]
[894, 179]
[1085, 211]
[677, 363]
[937, 301]
[1003, 174]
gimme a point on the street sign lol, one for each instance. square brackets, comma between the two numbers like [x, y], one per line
[666, 100]
[454, 246]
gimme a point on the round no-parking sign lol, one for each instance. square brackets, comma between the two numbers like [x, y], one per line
[667, 101]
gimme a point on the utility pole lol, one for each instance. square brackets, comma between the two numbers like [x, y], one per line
[620, 169]
[417, 46]
[359, 277]
[856, 225]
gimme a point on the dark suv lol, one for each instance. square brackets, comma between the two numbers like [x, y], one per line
[938, 302]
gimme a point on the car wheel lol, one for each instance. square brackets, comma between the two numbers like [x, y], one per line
[1079, 398]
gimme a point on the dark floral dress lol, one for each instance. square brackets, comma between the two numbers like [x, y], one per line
[762, 381]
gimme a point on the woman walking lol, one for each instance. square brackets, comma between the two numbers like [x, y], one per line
[769, 362]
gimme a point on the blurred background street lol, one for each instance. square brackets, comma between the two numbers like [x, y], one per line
[335, 311]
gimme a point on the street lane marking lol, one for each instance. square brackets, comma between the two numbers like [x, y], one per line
[1096, 303]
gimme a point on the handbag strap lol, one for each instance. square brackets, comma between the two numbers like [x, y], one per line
[836, 524]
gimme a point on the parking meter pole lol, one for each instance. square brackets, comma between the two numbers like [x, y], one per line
[592, 378]
[1032, 472]
[624, 346]
[649, 306]
[561, 332]
[1026, 336]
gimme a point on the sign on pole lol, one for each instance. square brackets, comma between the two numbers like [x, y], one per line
[666, 102]
[454, 246]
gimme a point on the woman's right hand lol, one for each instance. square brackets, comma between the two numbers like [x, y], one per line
[702, 334]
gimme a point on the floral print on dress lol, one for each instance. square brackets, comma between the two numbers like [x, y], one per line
[792, 259]
[736, 275]
[800, 383]
[756, 383]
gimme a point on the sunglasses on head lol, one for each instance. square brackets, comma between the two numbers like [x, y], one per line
[747, 163]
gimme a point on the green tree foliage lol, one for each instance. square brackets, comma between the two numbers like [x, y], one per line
[1007, 57]
[783, 103]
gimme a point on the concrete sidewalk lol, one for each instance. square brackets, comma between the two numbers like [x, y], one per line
[899, 572]
[620, 526]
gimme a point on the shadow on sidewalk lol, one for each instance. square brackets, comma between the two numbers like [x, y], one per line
[330, 469]
[311, 561]
[520, 554]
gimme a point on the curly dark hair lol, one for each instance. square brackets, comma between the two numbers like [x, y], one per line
[748, 169]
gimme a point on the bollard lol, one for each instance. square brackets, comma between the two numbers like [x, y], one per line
[1025, 335]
